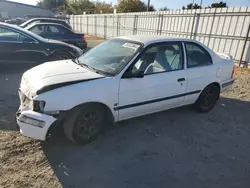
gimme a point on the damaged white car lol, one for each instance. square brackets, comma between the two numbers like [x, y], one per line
[120, 79]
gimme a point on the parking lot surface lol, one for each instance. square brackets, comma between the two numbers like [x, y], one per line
[175, 148]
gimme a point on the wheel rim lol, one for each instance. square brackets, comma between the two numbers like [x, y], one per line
[209, 98]
[88, 125]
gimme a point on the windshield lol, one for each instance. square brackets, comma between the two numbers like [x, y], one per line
[24, 24]
[110, 57]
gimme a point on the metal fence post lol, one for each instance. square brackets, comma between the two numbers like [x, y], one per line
[118, 26]
[73, 18]
[87, 24]
[192, 25]
[135, 25]
[244, 47]
[95, 25]
[159, 27]
[162, 18]
[81, 23]
[105, 27]
[212, 25]
[196, 25]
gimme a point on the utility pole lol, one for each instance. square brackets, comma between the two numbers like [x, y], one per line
[148, 5]
[192, 5]
[201, 4]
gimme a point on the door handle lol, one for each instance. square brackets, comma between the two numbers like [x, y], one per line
[181, 80]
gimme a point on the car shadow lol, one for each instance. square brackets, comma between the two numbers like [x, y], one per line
[174, 148]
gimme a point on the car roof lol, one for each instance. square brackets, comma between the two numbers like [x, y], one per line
[148, 39]
[46, 23]
[54, 19]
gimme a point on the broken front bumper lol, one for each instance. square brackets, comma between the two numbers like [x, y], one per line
[33, 124]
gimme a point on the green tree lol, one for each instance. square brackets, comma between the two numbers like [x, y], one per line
[103, 7]
[85, 6]
[78, 7]
[164, 9]
[219, 5]
[133, 6]
[50, 4]
[192, 6]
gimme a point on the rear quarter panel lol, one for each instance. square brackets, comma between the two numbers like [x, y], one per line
[200, 77]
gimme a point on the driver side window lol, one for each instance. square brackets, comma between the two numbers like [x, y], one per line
[161, 58]
[7, 35]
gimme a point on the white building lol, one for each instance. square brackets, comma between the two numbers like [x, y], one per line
[9, 9]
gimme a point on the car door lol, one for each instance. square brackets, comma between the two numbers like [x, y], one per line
[16, 47]
[164, 83]
[200, 69]
[12, 46]
[8, 44]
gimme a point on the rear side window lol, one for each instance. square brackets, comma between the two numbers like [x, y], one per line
[53, 29]
[57, 29]
[197, 56]
[39, 29]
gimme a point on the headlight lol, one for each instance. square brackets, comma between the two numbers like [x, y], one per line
[31, 121]
[38, 106]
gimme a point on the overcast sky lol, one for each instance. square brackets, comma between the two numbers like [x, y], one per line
[172, 4]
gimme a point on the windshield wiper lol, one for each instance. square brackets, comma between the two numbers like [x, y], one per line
[85, 65]
[89, 67]
[76, 61]
[81, 64]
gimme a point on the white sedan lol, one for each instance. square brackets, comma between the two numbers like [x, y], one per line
[120, 79]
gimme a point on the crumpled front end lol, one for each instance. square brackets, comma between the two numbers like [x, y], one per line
[32, 124]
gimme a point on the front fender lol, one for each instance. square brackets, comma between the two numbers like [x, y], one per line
[67, 97]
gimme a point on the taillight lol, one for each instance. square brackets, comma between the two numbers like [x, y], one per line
[233, 72]
[83, 37]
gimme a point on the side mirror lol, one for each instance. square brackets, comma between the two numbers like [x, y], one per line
[134, 74]
[137, 73]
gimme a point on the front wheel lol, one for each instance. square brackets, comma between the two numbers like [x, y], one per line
[207, 98]
[83, 124]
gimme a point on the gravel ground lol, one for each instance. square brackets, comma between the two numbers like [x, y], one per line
[174, 148]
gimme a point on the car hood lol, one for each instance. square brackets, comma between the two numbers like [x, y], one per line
[52, 74]
[57, 42]
[65, 44]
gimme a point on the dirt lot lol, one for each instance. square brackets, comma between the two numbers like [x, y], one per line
[174, 148]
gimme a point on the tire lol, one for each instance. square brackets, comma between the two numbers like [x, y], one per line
[60, 56]
[83, 124]
[207, 98]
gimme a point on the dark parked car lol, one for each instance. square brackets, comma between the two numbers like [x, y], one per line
[46, 20]
[58, 32]
[18, 45]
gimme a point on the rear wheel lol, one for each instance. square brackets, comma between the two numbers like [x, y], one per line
[207, 98]
[61, 56]
[83, 124]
